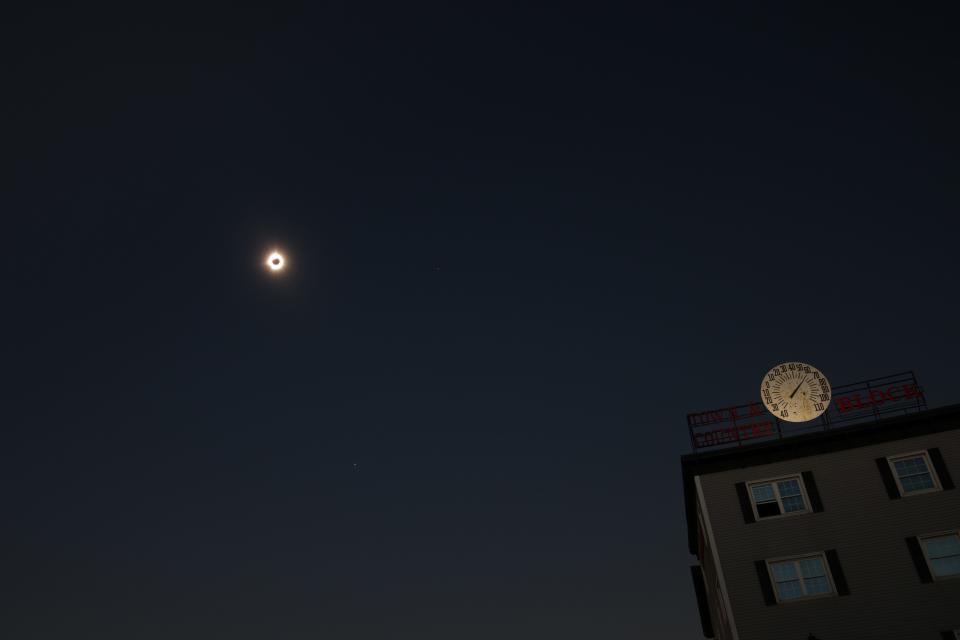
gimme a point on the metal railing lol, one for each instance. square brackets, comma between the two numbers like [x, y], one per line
[866, 401]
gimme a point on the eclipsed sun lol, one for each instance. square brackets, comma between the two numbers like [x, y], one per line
[275, 261]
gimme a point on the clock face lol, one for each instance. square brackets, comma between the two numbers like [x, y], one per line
[795, 392]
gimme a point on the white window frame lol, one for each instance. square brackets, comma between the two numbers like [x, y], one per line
[817, 596]
[776, 493]
[915, 454]
[926, 557]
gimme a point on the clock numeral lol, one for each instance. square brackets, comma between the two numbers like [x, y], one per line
[784, 413]
[824, 397]
[774, 406]
[818, 406]
[816, 375]
[791, 366]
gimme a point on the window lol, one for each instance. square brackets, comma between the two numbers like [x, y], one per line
[943, 554]
[796, 578]
[913, 473]
[778, 497]
[783, 496]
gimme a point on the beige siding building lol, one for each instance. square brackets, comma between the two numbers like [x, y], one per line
[846, 534]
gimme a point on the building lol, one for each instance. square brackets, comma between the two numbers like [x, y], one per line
[849, 532]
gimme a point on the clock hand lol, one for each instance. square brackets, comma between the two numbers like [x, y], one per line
[798, 388]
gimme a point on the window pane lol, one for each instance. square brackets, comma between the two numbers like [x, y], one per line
[903, 467]
[767, 509]
[793, 503]
[811, 567]
[762, 492]
[817, 585]
[916, 483]
[910, 466]
[942, 546]
[946, 566]
[784, 571]
[789, 488]
[787, 590]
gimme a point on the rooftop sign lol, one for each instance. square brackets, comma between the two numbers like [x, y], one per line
[853, 403]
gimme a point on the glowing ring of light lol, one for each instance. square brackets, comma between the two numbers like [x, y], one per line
[275, 261]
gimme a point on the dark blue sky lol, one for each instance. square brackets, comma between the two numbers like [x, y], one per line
[524, 241]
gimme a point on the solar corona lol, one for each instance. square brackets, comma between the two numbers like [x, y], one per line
[275, 261]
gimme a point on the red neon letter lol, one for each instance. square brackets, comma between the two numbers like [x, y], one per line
[877, 397]
[843, 403]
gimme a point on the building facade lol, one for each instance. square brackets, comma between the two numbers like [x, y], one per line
[847, 534]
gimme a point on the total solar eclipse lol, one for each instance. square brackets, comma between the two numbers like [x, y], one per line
[275, 261]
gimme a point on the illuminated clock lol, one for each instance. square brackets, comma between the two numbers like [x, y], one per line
[795, 392]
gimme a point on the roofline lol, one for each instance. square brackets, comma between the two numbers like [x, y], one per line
[810, 444]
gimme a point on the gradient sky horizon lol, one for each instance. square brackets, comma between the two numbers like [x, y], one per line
[524, 241]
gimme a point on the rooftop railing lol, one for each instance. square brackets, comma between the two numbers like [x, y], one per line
[855, 403]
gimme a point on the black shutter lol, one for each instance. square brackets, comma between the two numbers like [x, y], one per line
[811, 485]
[703, 604]
[937, 459]
[765, 585]
[839, 580]
[745, 503]
[919, 560]
[892, 490]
